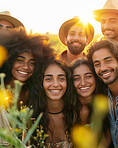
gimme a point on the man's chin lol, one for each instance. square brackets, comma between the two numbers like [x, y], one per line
[76, 51]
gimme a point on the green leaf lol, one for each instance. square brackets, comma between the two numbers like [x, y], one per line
[31, 130]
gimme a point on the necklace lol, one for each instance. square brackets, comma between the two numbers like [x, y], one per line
[56, 113]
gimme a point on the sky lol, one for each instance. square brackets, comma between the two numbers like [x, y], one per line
[48, 15]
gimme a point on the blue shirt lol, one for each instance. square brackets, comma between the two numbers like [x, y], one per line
[113, 121]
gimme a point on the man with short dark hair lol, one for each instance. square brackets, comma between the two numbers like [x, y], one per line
[108, 17]
[75, 35]
[103, 55]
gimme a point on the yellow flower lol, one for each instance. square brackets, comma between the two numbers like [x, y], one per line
[101, 104]
[5, 98]
[83, 137]
[3, 55]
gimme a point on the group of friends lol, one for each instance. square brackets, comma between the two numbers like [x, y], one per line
[63, 86]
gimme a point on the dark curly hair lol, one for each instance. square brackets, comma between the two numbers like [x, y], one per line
[18, 41]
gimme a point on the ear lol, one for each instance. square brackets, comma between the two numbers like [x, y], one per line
[65, 40]
[87, 41]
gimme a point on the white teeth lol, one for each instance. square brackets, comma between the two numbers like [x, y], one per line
[55, 91]
[84, 88]
[106, 74]
[108, 31]
[23, 72]
[76, 43]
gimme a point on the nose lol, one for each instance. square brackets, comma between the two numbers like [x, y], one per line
[103, 67]
[106, 25]
[55, 83]
[25, 66]
[83, 81]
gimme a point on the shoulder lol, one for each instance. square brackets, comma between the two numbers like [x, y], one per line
[63, 55]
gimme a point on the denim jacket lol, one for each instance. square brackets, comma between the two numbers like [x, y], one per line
[113, 122]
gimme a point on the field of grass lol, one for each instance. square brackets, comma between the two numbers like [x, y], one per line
[58, 46]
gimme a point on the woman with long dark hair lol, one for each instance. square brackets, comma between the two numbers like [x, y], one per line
[55, 101]
[86, 86]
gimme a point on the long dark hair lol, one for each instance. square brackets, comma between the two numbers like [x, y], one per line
[41, 106]
[97, 90]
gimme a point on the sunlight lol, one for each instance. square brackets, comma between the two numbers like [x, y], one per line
[86, 17]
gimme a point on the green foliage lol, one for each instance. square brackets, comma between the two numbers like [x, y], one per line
[56, 43]
[16, 133]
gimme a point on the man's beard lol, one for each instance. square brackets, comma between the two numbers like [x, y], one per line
[75, 50]
[113, 80]
[110, 36]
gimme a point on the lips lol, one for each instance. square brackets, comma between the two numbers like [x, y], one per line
[84, 89]
[55, 91]
[108, 32]
[106, 74]
[22, 72]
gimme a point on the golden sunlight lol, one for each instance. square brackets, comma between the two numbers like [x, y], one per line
[87, 16]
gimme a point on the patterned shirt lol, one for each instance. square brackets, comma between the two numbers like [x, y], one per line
[113, 121]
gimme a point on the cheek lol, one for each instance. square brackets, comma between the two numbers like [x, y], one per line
[76, 83]
[32, 68]
[83, 39]
[65, 86]
[93, 84]
[96, 70]
[102, 25]
[69, 38]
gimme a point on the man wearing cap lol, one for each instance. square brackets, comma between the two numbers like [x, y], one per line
[75, 35]
[108, 17]
[7, 21]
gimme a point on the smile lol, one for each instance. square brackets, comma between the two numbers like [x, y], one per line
[84, 88]
[106, 75]
[108, 31]
[23, 73]
[55, 91]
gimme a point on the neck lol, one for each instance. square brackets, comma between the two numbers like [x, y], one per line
[85, 100]
[71, 57]
[55, 107]
[113, 88]
[56, 112]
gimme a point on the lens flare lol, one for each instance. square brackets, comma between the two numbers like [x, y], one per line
[5, 98]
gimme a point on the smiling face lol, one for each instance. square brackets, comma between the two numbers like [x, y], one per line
[54, 82]
[109, 25]
[76, 39]
[84, 81]
[23, 67]
[106, 66]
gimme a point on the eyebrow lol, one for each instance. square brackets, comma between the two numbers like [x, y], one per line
[109, 57]
[50, 75]
[24, 58]
[85, 74]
